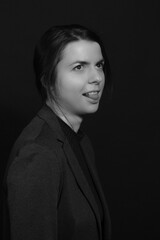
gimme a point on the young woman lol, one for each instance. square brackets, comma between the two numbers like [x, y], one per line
[52, 188]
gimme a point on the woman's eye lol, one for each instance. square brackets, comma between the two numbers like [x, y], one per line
[100, 65]
[78, 67]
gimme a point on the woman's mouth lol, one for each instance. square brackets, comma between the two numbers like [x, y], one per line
[92, 94]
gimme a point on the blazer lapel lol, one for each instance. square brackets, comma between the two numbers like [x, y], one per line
[89, 156]
[82, 182]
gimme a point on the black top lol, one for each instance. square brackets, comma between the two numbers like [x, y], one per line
[74, 140]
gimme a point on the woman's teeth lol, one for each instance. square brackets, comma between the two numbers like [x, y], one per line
[93, 95]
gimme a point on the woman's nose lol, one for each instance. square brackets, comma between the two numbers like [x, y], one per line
[95, 76]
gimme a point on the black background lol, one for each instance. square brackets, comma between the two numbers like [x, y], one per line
[125, 131]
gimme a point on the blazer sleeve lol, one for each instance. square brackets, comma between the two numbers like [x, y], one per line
[33, 183]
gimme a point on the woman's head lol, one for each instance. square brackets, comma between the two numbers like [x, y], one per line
[49, 52]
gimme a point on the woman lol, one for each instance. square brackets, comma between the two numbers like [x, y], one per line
[52, 188]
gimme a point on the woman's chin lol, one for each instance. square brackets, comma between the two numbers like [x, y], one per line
[92, 108]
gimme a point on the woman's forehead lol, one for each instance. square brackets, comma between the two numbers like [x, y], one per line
[82, 50]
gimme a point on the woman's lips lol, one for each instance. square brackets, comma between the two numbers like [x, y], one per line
[93, 95]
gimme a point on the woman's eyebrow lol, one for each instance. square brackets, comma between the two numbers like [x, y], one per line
[85, 62]
[80, 62]
[101, 61]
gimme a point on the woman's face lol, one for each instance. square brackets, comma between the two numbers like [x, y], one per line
[80, 78]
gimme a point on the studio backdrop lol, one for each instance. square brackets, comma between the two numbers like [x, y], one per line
[125, 131]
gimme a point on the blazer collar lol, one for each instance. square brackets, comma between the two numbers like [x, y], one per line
[49, 116]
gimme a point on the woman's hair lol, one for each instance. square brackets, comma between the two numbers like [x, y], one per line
[49, 49]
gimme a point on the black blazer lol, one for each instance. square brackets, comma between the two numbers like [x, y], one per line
[48, 196]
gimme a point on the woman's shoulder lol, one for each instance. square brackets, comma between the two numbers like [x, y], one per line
[36, 135]
[34, 152]
[33, 161]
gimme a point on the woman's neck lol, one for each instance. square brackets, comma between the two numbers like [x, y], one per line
[71, 120]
